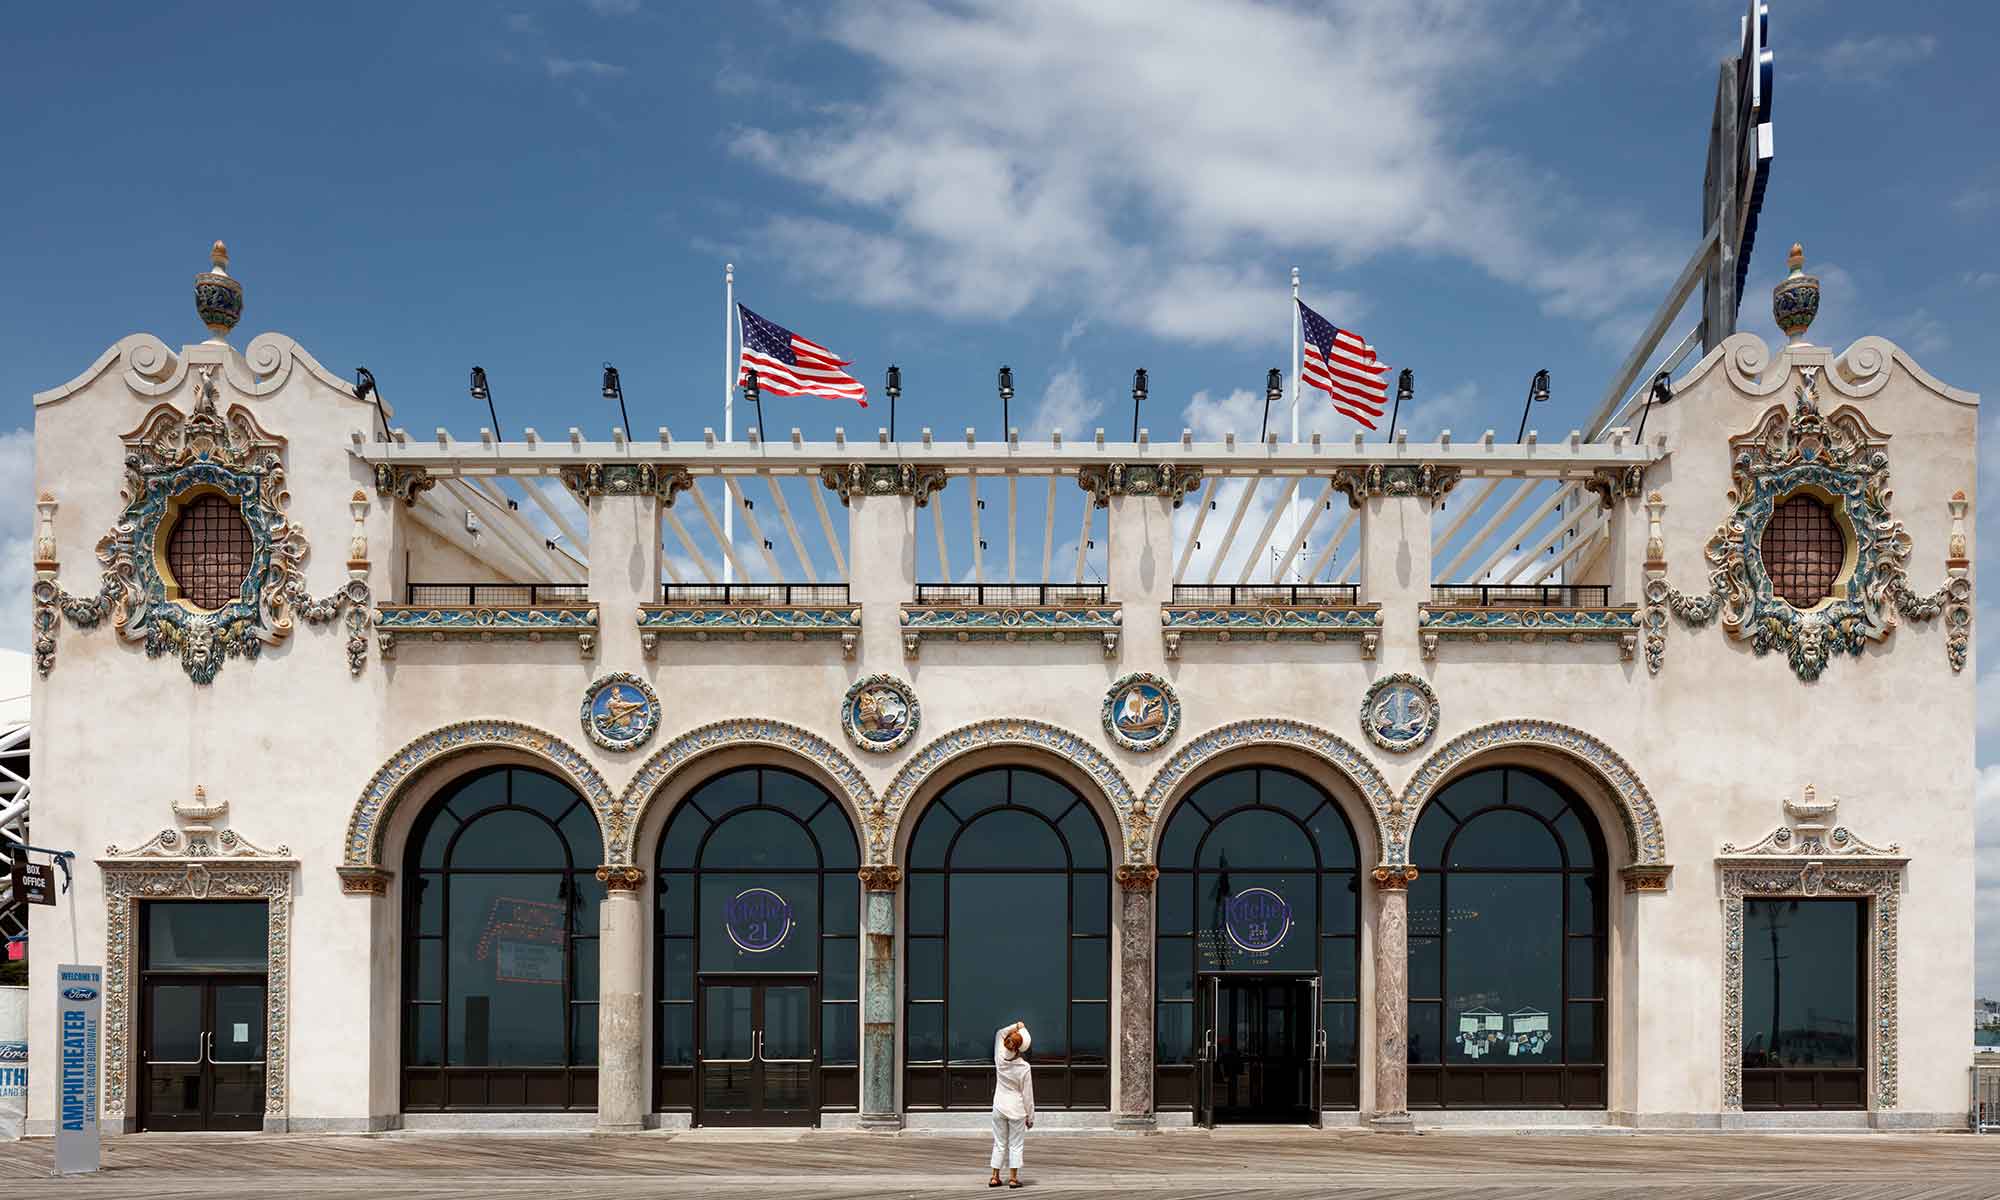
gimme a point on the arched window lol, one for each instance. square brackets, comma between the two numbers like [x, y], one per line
[500, 929]
[1259, 911]
[758, 957]
[1008, 920]
[1507, 947]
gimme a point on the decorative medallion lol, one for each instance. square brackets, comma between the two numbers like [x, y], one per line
[1840, 463]
[1141, 712]
[620, 711]
[1257, 920]
[1399, 712]
[880, 713]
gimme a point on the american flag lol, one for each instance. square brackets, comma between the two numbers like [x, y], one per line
[789, 365]
[1343, 366]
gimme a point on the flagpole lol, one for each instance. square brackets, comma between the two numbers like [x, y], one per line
[1297, 350]
[728, 400]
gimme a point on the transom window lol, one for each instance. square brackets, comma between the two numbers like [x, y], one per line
[1803, 551]
[209, 551]
[1009, 919]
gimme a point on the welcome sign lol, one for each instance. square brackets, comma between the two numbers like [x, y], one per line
[79, 1011]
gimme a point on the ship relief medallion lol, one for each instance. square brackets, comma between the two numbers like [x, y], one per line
[620, 711]
[880, 713]
[1399, 712]
[1141, 712]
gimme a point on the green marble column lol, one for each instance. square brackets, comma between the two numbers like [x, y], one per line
[878, 1000]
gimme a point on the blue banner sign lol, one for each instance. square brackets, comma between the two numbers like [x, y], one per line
[79, 1011]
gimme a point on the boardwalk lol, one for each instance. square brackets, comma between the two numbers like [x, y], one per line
[1351, 1166]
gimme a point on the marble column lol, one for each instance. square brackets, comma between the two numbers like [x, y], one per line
[1392, 999]
[878, 1000]
[621, 1005]
[1135, 997]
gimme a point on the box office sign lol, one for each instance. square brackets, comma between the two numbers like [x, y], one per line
[79, 1010]
[34, 883]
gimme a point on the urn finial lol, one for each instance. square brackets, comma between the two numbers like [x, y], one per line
[1795, 301]
[217, 297]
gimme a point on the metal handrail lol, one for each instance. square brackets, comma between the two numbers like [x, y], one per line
[1010, 595]
[481, 595]
[1522, 595]
[765, 594]
[1267, 595]
[1985, 1111]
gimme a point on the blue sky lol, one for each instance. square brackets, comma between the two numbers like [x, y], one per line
[1481, 189]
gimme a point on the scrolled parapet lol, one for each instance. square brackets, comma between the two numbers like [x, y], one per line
[1165, 480]
[849, 480]
[1426, 480]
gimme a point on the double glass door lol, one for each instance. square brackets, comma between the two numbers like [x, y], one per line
[1259, 1051]
[759, 1053]
[201, 1055]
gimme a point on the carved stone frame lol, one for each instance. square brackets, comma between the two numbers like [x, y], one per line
[1879, 881]
[129, 881]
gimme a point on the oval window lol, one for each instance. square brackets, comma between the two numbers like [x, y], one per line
[209, 551]
[1803, 551]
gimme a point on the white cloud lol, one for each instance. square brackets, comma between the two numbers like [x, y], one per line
[17, 575]
[999, 162]
[613, 8]
[1873, 59]
[522, 23]
[565, 68]
[1922, 332]
[1980, 280]
[1975, 200]
[1066, 404]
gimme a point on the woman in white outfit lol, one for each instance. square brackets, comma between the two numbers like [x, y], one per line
[1013, 1101]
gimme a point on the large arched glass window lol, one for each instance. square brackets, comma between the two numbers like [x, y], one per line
[1258, 898]
[1507, 947]
[500, 934]
[1008, 920]
[758, 956]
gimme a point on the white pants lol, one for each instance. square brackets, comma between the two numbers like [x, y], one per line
[1009, 1134]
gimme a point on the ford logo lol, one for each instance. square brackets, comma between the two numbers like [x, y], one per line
[79, 993]
[13, 1052]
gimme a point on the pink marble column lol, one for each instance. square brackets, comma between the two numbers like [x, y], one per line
[1135, 997]
[1392, 999]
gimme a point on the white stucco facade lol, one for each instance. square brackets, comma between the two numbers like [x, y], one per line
[1674, 763]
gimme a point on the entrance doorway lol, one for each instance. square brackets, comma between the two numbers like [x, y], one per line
[202, 1062]
[759, 1056]
[1260, 1050]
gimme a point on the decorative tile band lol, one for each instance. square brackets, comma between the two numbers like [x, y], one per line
[1046, 623]
[1645, 838]
[1133, 817]
[1274, 622]
[701, 622]
[363, 844]
[1502, 623]
[756, 732]
[531, 621]
[1325, 744]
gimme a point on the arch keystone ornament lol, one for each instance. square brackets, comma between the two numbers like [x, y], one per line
[1141, 712]
[880, 713]
[1840, 460]
[361, 869]
[620, 711]
[1399, 712]
[1135, 817]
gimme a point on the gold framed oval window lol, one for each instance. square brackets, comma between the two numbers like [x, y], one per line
[1805, 550]
[207, 553]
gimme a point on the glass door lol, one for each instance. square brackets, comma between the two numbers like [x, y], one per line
[1207, 1003]
[1263, 1047]
[759, 1054]
[201, 1055]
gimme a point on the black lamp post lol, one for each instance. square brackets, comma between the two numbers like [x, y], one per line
[1006, 398]
[1274, 389]
[614, 390]
[755, 397]
[364, 388]
[894, 387]
[1662, 391]
[1138, 397]
[1406, 389]
[1538, 393]
[480, 391]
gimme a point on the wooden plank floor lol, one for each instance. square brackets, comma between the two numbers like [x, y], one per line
[1349, 1165]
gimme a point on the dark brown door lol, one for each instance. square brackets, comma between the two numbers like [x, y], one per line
[758, 1062]
[1262, 1045]
[201, 1053]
